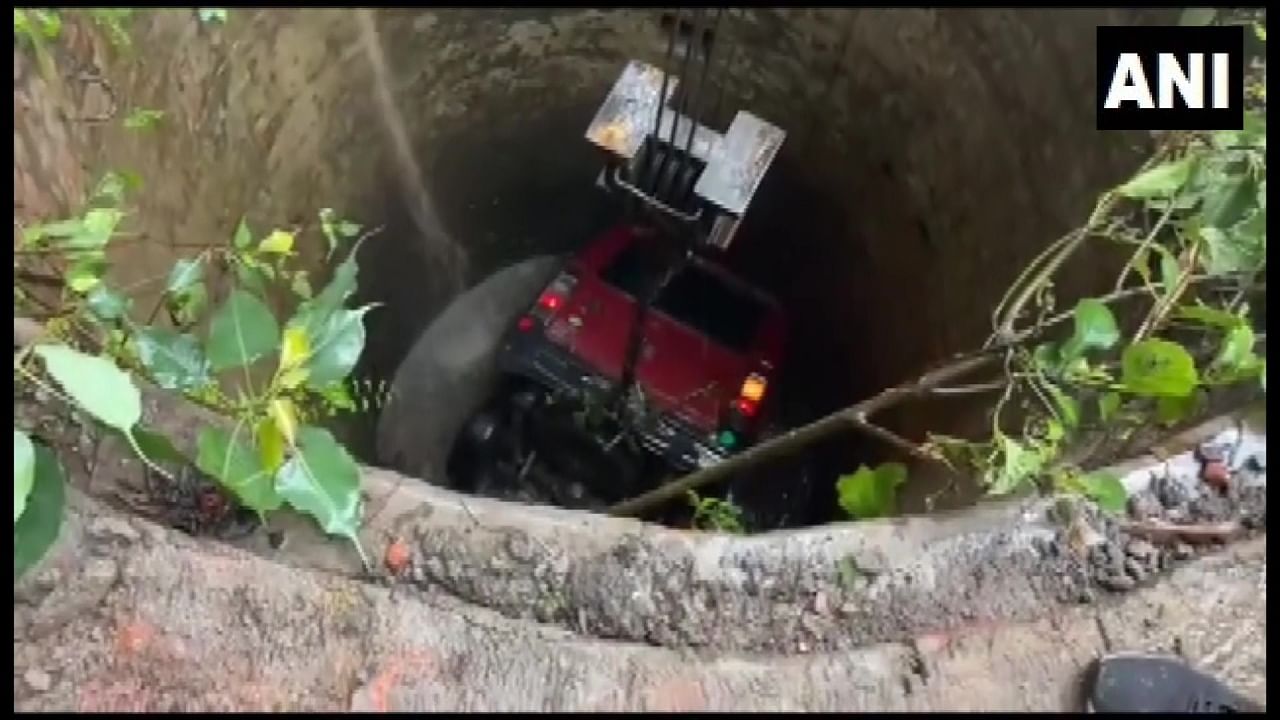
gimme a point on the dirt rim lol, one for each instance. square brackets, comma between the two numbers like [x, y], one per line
[819, 589]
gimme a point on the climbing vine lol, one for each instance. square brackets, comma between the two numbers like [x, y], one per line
[1193, 222]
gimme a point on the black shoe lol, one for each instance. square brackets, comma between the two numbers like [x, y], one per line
[1152, 683]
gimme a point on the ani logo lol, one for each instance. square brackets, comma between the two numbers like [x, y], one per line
[1170, 78]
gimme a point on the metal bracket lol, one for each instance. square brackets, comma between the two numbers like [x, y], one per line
[735, 162]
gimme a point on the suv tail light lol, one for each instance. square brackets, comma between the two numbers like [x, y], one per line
[751, 395]
[554, 296]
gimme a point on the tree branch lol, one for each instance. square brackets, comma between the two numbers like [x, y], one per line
[932, 383]
[853, 415]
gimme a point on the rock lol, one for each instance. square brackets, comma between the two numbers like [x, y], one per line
[1170, 491]
[1183, 551]
[38, 680]
[1135, 569]
[1211, 508]
[1140, 550]
[1145, 506]
[1118, 582]
[113, 527]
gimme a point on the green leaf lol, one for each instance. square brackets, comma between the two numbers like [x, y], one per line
[314, 314]
[338, 396]
[159, 448]
[58, 229]
[96, 229]
[36, 531]
[1108, 404]
[86, 273]
[1208, 316]
[237, 467]
[1242, 248]
[241, 331]
[1173, 410]
[143, 119]
[1226, 204]
[95, 384]
[868, 494]
[185, 275]
[248, 277]
[1237, 349]
[335, 230]
[1106, 490]
[336, 348]
[24, 471]
[1021, 465]
[243, 238]
[323, 481]
[174, 361]
[278, 242]
[106, 304]
[1170, 270]
[110, 188]
[188, 305]
[1045, 358]
[300, 285]
[1158, 368]
[1161, 181]
[1066, 407]
[212, 15]
[1095, 328]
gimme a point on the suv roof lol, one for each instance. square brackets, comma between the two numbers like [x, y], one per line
[701, 295]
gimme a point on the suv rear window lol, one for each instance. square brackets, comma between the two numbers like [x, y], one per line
[695, 297]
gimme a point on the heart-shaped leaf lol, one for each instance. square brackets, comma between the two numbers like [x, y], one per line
[1158, 368]
[1095, 328]
[106, 304]
[35, 532]
[95, 384]
[1106, 490]
[184, 275]
[222, 456]
[24, 471]
[323, 481]
[174, 361]
[336, 347]
[1237, 350]
[868, 494]
[241, 331]
[1161, 181]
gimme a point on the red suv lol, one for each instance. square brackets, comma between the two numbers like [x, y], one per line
[711, 347]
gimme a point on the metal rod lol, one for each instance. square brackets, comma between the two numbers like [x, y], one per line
[679, 111]
[682, 192]
[724, 77]
[662, 100]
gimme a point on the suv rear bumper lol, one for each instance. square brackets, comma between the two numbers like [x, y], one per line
[531, 355]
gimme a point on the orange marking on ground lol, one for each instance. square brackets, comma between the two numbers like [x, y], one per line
[396, 667]
[676, 696]
[133, 637]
